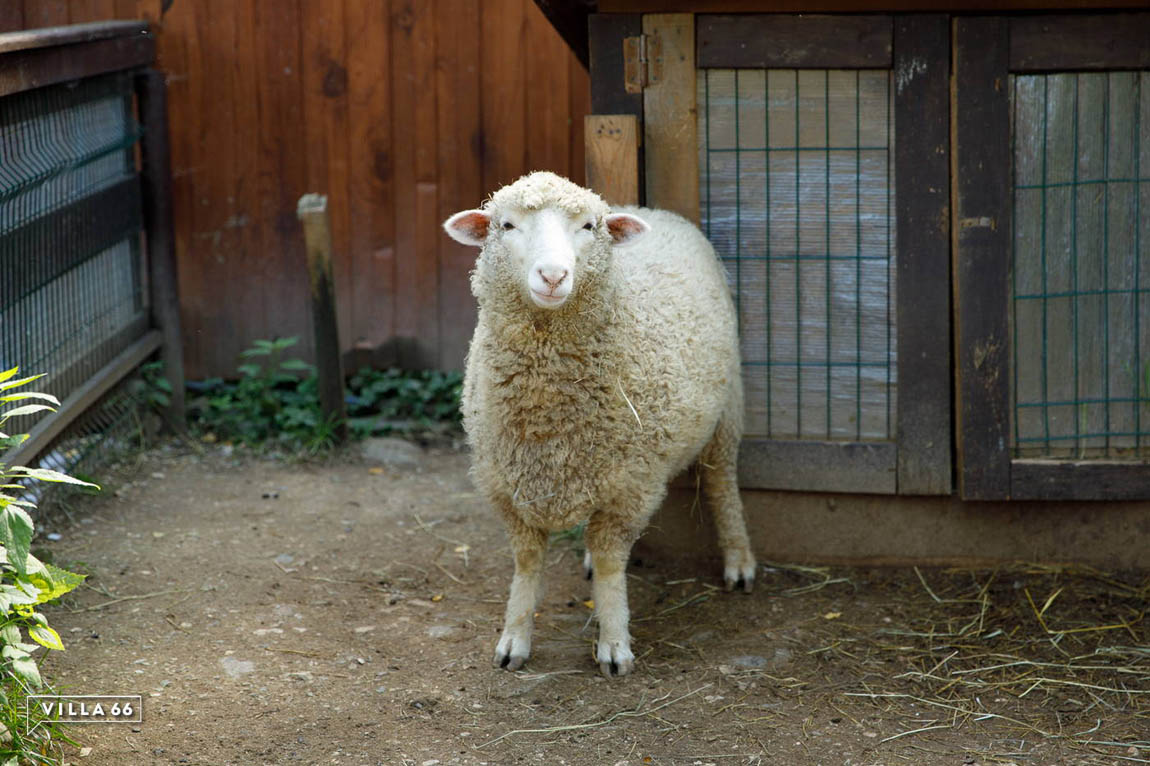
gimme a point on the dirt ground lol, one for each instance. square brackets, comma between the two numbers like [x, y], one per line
[336, 612]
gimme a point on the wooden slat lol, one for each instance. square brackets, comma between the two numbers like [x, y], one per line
[29, 68]
[1080, 42]
[82, 11]
[66, 35]
[670, 132]
[47, 429]
[371, 197]
[45, 13]
[163, 281]
[922, 206]
[502, 79]
[613, 157]
[545, 93]
[981, 235]
[325, 104]
[457, 88]
[11, 16]
[792, 42]
[413, 124]
[578, 104]
[865, 467]
[1079, 480]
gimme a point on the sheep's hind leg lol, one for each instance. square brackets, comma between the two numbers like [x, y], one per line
[718, 467]
[529, 546]
[609, 545]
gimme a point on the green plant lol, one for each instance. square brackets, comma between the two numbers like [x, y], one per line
[270, 403]
[25, 583]
[382, 401]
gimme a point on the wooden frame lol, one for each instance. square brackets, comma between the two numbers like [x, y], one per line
[39, 58]
[987, 51]
[917, 49]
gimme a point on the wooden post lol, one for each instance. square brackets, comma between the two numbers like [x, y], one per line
[312, 212]
[612, 157]
[156, 182]
[670, 132]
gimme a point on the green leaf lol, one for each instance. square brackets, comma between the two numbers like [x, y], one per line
[23, 666]
[6, 374]
[45, 474]
[295, 364]
[30, 395]
[16, 534]
[45, 636]
[10, 634]
[54, 582]
[27, 409]
[16, 383]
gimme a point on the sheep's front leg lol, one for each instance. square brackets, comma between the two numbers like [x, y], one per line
[609, 540]
[514, 647]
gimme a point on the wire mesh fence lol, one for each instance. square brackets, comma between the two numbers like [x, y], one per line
[796, 191]
[1081, 265]
[72, 293]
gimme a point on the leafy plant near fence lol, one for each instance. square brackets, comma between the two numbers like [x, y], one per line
[274, 401]
[25, 584]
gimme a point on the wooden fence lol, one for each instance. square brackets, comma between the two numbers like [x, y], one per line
[401, 111]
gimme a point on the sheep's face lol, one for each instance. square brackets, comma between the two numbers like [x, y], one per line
[545, 251]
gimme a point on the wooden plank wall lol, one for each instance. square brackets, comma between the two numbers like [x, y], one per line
[401, 111]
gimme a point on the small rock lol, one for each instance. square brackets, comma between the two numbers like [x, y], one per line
[365, 629]
[236, 668]
[749, 661]
[85, 752]
[284, 559]
[431, 762]
[56, 536]
[392, 452]
[301, 675]
[439, 631]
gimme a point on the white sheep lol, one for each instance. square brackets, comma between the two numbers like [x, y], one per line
[605, 361]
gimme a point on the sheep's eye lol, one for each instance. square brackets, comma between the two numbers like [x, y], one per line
[508, 226]
[588, 226]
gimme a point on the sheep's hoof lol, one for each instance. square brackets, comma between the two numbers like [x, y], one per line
[739, 572]
[511, 654]
[615, 658]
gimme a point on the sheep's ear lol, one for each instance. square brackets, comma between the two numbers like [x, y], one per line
[468, 227]
[625, 228]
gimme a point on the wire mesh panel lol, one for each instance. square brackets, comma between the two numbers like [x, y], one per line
[796, 189]
[1081, 265]
[71, 294]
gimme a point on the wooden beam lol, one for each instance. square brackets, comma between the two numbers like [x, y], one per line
[670, 122]
[570, 21]
[156, 180]
[51, 37]
[981, 232]
[856, 6]
[865, 467]
[1080, 42]
[82, 398]
[613, 157]
[922, 214]
[765, 41]
[26, 68]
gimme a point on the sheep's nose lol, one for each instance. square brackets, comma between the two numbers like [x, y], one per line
[552, 277]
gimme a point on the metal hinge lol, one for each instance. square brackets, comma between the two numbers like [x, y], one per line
[642, 62]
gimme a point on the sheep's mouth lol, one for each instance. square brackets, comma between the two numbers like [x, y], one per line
[546, 300]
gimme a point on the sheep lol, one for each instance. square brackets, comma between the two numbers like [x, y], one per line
[605, 361]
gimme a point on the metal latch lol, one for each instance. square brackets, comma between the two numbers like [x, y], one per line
[642, 62]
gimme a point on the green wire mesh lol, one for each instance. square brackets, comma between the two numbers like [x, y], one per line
[1081, 265]
[796, 194]
[71, 295]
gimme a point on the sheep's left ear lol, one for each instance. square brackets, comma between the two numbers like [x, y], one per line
[625, 229]
[468, 227]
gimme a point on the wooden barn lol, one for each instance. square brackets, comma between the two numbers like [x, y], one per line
[933, 216]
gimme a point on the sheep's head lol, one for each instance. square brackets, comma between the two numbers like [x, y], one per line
[544, 236]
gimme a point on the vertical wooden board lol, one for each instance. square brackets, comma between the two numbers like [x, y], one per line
[613, 157]
[670, 132]
[457, 86]
[607, 32]
[414, 136]
[922, 204]
[243, 219]
[371, 193]
[546, 95]
[45, 13]
[325, 104]
[11, 16]
[502, 77]
[82, 11]
[578, 106]
[282, 174]
[981, 231]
